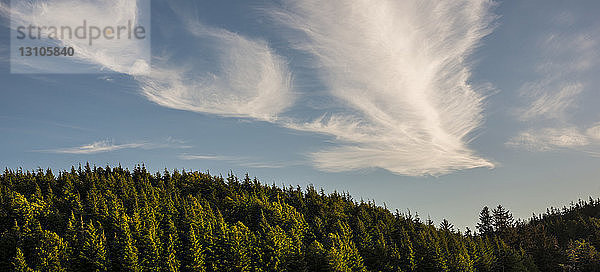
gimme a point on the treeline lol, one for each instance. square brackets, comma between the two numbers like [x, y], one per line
[114, 219]
[558, 240]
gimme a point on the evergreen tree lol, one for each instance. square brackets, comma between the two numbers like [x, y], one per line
[343, 254]
[582, 256]
[485, 260]
[170, 263]
[503, 219]
[195, 251]
[192, 221]
[126, 257]
[150, 251]
[446, 226]
[486, 222]
[93, 251]
[50, 252]
[19, 264]
[316, 257]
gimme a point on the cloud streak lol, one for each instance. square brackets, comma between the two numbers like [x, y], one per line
[400, 70]
[118, 55]
[96, 147]
[226, 74]
[241, 161]
[565, 68]
[249, 81]
[549, 139]
[547, 103]
[108, 146]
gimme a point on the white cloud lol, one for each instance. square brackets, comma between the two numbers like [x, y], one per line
[548, 103]
[224, 73]
[109, 145]
[594, 132]
[119, 55]
[245, 79]
[96, 147]
[251, 80]
[566, 59]
[272, 165]
[241, 161]
[205, 157]
[548, 139]
[400, 69]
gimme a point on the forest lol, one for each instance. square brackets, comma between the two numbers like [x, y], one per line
[115, 219]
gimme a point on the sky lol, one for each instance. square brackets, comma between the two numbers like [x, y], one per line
[434, 107]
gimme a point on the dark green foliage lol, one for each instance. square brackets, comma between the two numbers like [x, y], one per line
[486, 222]
[113, 219]
[92, 251]
[503, 220]
[561, 240]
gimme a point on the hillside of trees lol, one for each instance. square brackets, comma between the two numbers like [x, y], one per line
[114, 219]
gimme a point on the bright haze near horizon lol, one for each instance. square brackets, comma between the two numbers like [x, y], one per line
[437, 107]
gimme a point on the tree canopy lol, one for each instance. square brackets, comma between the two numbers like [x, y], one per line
[114, 219]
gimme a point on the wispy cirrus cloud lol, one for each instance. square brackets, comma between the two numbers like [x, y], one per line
[594, 132]
[190, 157]
[565, 58]
[547, 102]
[249, 79]
[225, 73]
[565, 68]
[400, 70]
[547, 139]
[241, 161]
[118, 55]
[110, 145]
[96, 147]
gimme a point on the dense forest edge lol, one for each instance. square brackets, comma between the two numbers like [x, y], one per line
[115, 219]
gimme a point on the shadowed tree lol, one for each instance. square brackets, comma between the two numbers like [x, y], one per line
[486, 222]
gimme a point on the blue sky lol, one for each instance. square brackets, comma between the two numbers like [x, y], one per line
[436, 107]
